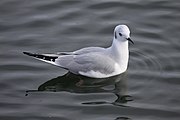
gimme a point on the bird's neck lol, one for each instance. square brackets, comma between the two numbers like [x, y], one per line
[120, 52]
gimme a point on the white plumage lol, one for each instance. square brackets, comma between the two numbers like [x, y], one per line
[95, 62]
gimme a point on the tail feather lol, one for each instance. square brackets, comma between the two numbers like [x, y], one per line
[42, 57]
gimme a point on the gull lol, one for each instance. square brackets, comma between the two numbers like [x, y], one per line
[94, 62]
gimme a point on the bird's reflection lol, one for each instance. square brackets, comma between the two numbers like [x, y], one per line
[80, 84]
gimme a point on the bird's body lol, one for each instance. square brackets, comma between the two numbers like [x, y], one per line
[95, 62]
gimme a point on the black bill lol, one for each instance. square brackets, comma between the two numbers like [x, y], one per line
[129, 39]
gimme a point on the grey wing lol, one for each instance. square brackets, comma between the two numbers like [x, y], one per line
[65, 53]
[83, 51]
[87, 62]
[89, 50]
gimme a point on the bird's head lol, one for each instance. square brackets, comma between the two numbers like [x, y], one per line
[122, 33]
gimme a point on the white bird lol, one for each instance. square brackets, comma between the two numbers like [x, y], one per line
[94, 62]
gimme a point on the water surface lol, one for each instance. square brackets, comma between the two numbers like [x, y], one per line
[149, 90]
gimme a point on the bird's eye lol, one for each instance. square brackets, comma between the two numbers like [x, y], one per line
[120, 34]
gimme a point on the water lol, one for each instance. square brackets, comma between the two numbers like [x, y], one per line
[149, 90]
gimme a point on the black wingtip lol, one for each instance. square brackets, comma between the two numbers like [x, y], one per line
[27, 53]
[41, 56]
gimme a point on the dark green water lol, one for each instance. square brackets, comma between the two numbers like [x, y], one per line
[149, 90]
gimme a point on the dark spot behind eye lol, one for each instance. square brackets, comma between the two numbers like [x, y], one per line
[120, 34]
[115, 35]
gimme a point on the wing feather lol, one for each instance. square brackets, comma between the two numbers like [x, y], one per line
[87, 62]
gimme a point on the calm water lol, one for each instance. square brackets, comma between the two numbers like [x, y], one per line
[149, 90]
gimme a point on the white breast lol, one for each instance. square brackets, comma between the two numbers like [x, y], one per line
[98, 74]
